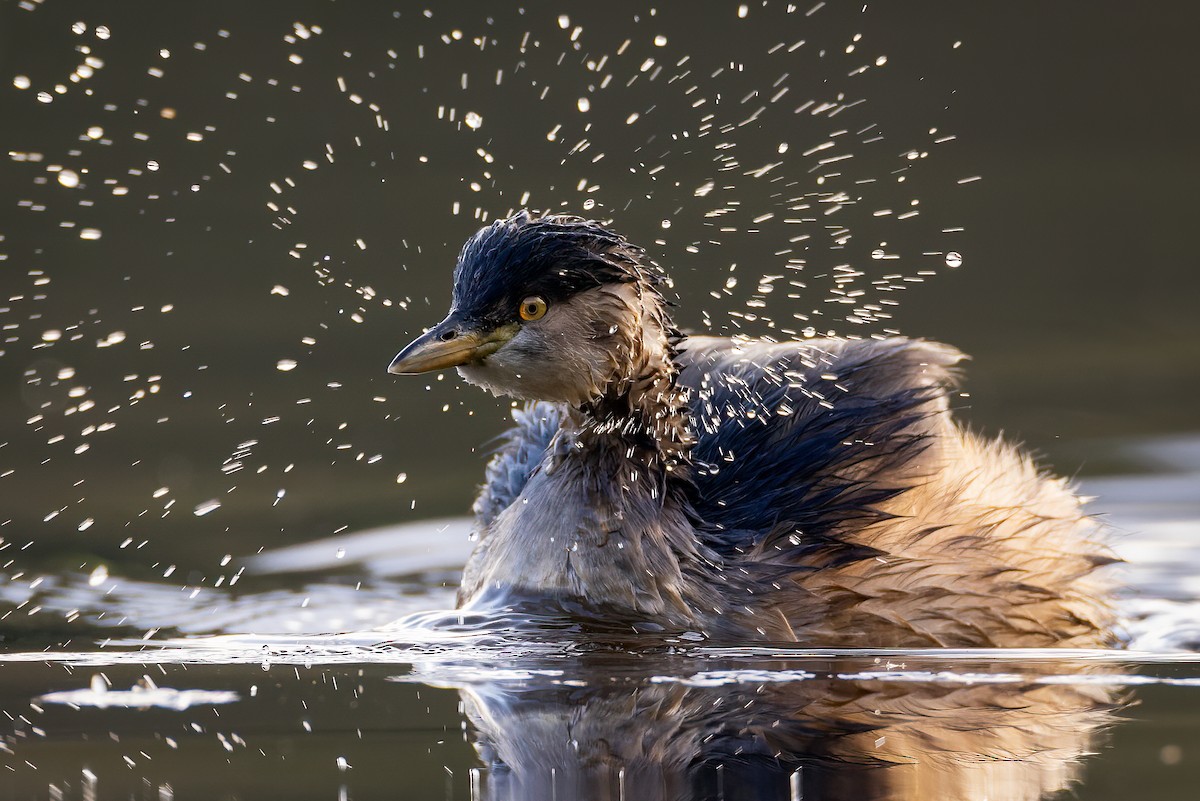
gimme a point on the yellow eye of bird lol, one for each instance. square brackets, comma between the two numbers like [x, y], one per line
[533, 308]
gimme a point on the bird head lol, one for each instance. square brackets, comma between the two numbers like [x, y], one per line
[551, 307]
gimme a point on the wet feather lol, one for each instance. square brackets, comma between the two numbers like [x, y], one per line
[815, 491]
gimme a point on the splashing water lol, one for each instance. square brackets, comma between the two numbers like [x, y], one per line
[211, 187]
[199, 205]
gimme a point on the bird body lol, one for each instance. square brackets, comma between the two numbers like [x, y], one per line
[815, 491]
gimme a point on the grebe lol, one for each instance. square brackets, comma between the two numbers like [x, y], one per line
[812, 491]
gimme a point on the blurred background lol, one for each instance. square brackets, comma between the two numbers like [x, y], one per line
[219, 222]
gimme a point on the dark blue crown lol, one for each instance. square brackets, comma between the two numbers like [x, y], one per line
[554, 256]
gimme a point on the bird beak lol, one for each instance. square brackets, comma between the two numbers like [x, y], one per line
[449, 344]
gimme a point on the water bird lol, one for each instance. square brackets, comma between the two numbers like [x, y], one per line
[814, 491]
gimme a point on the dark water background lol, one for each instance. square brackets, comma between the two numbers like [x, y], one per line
[1075, 297]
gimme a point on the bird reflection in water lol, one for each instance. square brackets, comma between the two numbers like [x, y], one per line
[771, 736]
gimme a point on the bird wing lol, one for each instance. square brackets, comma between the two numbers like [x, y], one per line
[520, 451]
[798, 443]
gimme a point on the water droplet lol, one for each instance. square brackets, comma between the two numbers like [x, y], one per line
[783, 146]
[400, 479]
[86, 524]
[95, 132]
[208, 506]
[589, 204]
[564, 21]
[310, 165]
[954, 259]
[473, 120]
[584, 104]
[285, 365]
[877, 254]
[22, 81]
[743, 10]
[660, 41]
[879, 62]
[68, 178]
[90, 233]
[631, 119]
[98, 577]
[666, 223]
